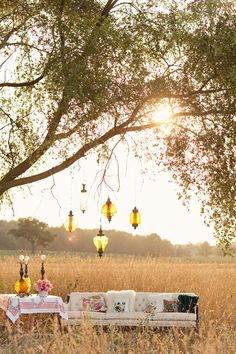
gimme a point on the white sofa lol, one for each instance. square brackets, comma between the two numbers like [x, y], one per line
[135, 315]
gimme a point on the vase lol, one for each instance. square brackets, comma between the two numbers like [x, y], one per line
[43, 293]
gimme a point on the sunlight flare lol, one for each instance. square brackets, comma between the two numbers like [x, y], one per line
[162, 114]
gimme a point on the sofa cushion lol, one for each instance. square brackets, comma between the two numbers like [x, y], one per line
[86, 314]
[76, 302]
[127, 316]
[174, 316]
[125, 296]
[141, 301]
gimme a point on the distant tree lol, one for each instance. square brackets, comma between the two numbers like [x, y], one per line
[36, 232]
[205, 249]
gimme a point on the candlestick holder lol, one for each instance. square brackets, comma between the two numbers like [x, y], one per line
[43, 257]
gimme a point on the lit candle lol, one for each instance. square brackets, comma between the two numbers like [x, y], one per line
[43, 257]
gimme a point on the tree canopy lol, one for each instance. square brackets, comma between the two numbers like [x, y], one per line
[76, 74]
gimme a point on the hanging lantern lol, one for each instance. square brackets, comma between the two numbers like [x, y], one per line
[71, 222]
[135, 218]
[83, 200]
[109, 209]
[100, 241]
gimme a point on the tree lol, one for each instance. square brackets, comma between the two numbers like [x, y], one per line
[36, 232]
[76, 74]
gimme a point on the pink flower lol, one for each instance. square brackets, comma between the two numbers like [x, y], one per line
[43, 285]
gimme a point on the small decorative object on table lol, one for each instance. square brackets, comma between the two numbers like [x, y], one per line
[43, 286]
[26, 275]
[22, 286]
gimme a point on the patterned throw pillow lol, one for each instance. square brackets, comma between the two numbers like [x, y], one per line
[171, 305]
[121, 305]
[95, 303]
[150, 308]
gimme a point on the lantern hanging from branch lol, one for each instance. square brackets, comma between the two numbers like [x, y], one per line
[100, 241]
[135, 218]
[83, 198]
[71, 222]
[109, 209]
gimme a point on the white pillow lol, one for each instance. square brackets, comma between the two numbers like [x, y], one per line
[127, 296]
[121, 305]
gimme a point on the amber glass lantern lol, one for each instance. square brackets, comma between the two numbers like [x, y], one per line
[135, 218]
[83, 198]
[100, 241]
[71, 222]
[109, 209]
[22, 287]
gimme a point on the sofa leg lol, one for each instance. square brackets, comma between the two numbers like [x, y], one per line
[197, 317]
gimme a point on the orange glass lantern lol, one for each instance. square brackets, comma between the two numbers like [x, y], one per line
[83, 198]
[109, 209]
[71, 222]
[135, 218]
[22, 286]
[100, 241]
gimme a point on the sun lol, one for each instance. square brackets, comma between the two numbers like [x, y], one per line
[162, 114]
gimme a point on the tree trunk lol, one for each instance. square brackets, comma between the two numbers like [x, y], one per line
[33, 247]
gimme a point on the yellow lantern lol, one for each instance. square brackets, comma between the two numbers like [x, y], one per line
[83, 200]
[100, 241]
[22, 286]
[135, 218]
[109, 209]
[71, 222]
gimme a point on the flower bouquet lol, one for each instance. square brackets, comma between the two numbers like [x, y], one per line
[43, 286]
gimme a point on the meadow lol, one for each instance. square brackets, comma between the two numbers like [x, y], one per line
[214, 282]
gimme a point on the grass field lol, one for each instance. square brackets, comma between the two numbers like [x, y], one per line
[214, 282]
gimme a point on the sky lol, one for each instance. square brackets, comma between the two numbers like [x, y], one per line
[155, 197]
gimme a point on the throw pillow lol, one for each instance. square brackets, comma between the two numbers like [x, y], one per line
[150, 308]
[121, 305]
[187, 303]
[95, 303]
[113, 296]
[171, 305]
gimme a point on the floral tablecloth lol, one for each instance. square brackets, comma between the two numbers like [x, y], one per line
[14, 305]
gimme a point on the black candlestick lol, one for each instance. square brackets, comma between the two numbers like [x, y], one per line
[42, 271]
[21, 271]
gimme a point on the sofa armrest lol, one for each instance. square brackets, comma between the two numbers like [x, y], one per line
[66, 306]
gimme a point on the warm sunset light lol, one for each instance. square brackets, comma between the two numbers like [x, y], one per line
[162, 114]
[117, 128]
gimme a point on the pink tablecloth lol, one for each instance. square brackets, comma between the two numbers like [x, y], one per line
[14, 305]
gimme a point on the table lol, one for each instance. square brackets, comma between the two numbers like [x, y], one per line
[14, 305]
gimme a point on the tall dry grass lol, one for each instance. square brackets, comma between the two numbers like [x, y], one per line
[215, 283]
